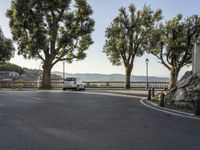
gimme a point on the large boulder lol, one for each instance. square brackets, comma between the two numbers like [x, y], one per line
[186, 75]
[180, 95]
[185, 80]
[186, 92]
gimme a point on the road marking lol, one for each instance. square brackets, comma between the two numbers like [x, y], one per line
[168, 112]
[109, 94]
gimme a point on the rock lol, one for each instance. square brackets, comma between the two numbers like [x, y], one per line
[194, 88]
[188, 88]
[189, 98]
[180, 95]
[184, 82]
[186, 75]
[198, 75]
[183, 105]
[186, 92]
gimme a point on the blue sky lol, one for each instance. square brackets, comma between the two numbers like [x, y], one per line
[104, 12]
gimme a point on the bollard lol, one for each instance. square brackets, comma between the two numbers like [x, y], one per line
[197, 107]
[88, 84]
[149, 95]
[107, 85]
[153, 92]
[162, 98]
[165, 89]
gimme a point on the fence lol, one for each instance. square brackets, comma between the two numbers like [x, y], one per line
[92, 84]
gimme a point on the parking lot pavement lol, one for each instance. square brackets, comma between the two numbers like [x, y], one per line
[57, 120]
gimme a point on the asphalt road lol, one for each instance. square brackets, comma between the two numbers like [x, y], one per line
[53, 120]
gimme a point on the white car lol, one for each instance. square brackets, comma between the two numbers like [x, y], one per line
[73, 83]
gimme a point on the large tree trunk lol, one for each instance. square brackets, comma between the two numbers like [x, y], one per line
[173, 79]
[46, 79]
[128, 76]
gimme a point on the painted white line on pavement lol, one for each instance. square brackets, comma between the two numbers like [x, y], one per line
[168, 112]
[109, 94]
[172, 110]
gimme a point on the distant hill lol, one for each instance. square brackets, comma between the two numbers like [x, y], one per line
[33, 74]
[111, 77]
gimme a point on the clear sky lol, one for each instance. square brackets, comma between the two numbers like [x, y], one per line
[104, 12]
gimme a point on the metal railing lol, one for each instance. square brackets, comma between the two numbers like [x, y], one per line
[120, 84]
[91, 84]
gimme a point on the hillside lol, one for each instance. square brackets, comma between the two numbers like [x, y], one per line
[112, 77]
[32, 75]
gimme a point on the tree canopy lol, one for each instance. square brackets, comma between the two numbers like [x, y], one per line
[6, 48]
[11, 67]
[128, 35]
[173, 41]
[52, 31]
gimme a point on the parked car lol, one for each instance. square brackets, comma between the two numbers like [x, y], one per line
[73, 83]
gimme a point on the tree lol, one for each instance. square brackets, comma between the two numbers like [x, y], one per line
[51, 31]
[6, 48]
[172, 44]
[11, 67]
[127, 36]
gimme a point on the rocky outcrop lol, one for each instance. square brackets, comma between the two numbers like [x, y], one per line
[186, 91]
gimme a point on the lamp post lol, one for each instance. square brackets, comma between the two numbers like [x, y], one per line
[147, 82]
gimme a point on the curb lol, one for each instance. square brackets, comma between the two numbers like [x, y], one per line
[155, 106]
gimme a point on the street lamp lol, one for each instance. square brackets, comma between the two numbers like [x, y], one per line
[147, 82]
